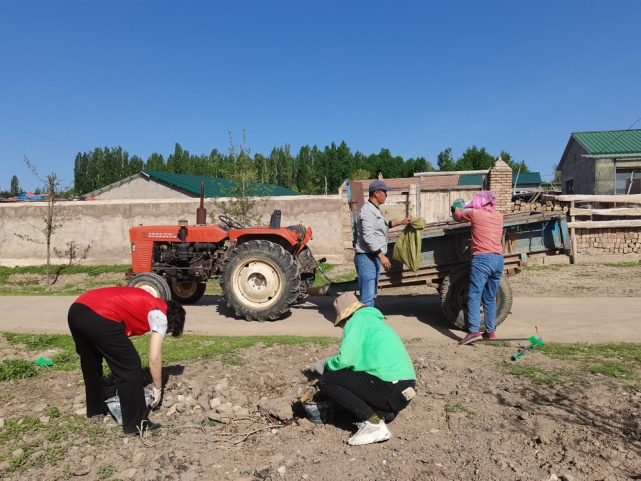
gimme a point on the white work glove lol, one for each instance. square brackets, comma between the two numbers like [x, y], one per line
[319, 367]
[156, 396]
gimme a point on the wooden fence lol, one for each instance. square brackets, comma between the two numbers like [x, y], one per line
[578, 211]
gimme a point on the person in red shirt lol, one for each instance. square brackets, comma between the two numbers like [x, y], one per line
[101, 322]
[487, 262]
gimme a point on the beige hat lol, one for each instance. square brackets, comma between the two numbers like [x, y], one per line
[346, 304]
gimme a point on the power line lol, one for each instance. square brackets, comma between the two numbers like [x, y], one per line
[43, 136]
[617, 138]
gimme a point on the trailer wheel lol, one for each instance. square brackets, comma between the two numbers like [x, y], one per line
[153, 284]
[260, 281]
[454, 291]
[187, 292]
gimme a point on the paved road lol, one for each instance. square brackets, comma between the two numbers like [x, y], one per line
[559, 319]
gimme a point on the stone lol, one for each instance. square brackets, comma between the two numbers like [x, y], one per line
[224, 384]
[567, 477]
[44, 419]
[172, 410]
[223, 409]
[281, 471]
[180, 407]
[1, 423]
[17, 453]
[180, 398]
[20, 421]
[88, 460]
[80, 470]
[524, 416]
[214, 403]
[127, 474]
[151, 475]
[81, 411]
[203, 401]
[168, 402]
[242, 411]
[221, 418]
[5, 467]
[238, 397]
[39, 408]
[81, 398]
[262, 472]
[280, 408]
[306, 425]
[138, 458]
[36, 455]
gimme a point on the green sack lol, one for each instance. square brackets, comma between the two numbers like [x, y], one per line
[407, 248]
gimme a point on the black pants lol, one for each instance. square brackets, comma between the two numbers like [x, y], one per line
[362, 394]
[97, 337]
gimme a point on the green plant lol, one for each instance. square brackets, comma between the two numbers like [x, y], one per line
[105, 470]
[232, 359]
[211, 422]
[175, 431]
[459, 407]
[53, 413]
[17, 369]
[624, 264]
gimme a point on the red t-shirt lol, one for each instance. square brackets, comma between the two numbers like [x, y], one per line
[127, 305]
[487, 230]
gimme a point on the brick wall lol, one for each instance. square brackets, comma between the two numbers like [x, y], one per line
[595, 242]
[500, 181]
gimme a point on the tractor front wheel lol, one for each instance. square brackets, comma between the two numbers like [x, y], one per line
[187, 292]
[152, 283]
[260, 281]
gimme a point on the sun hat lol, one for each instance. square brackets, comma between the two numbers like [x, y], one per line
[378, 185]
[345, 305]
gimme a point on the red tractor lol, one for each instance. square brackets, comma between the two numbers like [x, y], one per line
[262, 271]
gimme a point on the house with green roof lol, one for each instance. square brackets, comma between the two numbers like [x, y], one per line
[148, 184]
[602, 163]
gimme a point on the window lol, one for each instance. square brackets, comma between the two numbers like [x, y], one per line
[569, 187]
[628, 181]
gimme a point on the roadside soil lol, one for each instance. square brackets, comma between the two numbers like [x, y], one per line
[471, 419]
[62, 282]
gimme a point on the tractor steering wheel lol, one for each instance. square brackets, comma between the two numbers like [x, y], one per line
[231, 223]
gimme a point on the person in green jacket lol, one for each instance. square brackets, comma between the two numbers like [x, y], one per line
[372, 376]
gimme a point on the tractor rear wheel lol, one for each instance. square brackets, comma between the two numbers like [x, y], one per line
[187, 292]
[153, 284]
[260, 281]
[454, 294]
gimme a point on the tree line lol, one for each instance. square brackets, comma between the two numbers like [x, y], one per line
[309, 171]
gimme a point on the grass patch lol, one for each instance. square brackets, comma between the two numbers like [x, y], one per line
[105, 470]
[624, 264]
[459, 407]
[187, 346]
[534, 268]
[614, 369]
[17, 369]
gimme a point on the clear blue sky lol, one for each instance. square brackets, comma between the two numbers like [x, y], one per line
[412, 77]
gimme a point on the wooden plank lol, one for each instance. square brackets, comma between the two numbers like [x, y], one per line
[624, 199]
[573, 235]
[605, 224]
[609, 212]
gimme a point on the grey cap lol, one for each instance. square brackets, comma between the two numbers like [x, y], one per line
[378, 185]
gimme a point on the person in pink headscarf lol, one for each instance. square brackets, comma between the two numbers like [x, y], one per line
[487, 262]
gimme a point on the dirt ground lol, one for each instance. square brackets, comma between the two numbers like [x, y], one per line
[591, 280]
[471, 419]
[65, 281]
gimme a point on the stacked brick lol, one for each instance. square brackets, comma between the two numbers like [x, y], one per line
[500, 181]
[547, 206]
[346, 221]
[609, 241]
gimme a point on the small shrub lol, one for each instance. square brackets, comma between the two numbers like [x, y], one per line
[53, 413]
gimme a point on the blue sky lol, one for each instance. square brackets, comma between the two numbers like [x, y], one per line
[412, 77]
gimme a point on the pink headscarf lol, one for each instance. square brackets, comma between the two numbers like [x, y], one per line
[481, 199]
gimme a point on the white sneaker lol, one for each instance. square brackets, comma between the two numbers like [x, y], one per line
[369, 433]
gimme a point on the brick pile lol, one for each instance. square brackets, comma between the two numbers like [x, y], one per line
[500, 181]
[547, 206]
[624, 240]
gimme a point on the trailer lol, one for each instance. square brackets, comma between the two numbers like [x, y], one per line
[446, 255]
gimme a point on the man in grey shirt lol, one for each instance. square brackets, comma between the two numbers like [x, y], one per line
[370, 246]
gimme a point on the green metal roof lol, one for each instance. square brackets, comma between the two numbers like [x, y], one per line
[215, 187]
[610, 142]
[524, 178]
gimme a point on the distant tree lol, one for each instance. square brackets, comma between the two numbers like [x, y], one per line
[475, 159]
[515, 166]
[15, 186]
[446, 161]
[360, 174]
[38, 191]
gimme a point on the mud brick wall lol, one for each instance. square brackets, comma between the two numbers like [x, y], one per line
[545, 206]
[596, 242]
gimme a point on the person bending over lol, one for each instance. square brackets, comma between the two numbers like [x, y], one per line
[101, 322]
[372, 376]
[487, 262]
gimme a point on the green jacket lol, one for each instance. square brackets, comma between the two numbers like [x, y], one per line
[372, 346]
[407, 248]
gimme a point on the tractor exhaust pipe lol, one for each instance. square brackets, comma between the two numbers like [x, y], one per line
[201, 212]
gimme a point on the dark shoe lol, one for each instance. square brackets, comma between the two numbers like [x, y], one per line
[489, 335]
[148, 427]
[471, 337]
[386, 416]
